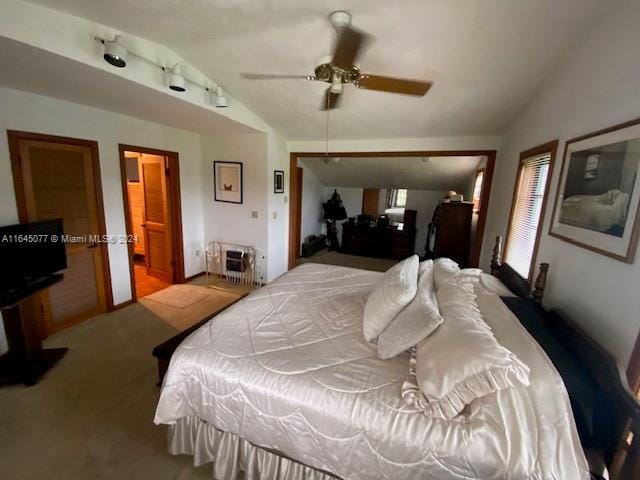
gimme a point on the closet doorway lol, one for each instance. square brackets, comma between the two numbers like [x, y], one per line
[151, 191]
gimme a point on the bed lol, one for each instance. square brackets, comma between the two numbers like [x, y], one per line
[283, 385]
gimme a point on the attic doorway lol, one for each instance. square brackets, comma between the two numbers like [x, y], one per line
[482, 180]
[151, 194]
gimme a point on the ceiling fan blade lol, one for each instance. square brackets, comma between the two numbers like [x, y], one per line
[269, 76]
[330, 100]
[350, 44]
[393, 85]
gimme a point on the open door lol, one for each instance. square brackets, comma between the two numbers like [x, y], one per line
[58, 177]
[156, 216]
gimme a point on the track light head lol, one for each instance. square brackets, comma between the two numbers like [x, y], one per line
[177, 82]
[221, 100]
[115, 53]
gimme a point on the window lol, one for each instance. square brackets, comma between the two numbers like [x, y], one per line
[396, 198]
[477, 189]
[401, 198]
[527, 209]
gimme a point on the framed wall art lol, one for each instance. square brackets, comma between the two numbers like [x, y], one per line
[227, 182]
[278, 181]
[598, 194]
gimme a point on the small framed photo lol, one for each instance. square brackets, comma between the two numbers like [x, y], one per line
[597, 203]
[227, 182]
[278, 181]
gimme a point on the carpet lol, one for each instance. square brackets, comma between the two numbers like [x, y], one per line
[182, 306]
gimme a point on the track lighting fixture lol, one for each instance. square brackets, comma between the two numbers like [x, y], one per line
[115, 53]
[221, 100]
[177, 82]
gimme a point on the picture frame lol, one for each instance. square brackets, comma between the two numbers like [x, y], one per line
[597, 205]
[278, 181]
[227, 181]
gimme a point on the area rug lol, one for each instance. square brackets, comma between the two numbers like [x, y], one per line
[182, 306]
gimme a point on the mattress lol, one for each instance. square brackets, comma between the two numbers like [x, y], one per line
[287, 368]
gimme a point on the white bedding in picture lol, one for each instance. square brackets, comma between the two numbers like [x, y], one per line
[287, 368]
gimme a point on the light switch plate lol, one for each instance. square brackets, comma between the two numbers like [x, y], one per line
[254, 214]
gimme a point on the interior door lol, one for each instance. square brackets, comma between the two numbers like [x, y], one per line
[156, 217]
[370, 201]
[59, 181]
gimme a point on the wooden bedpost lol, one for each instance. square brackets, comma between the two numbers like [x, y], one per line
[496, 257]
[540, 283]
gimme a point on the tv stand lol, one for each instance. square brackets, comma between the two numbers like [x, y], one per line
[26, 361]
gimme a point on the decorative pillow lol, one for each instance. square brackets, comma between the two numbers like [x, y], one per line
[483, 283]
[395, 289]
[461, 361]
[416, 321]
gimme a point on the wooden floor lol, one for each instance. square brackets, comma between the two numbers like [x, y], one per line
[146, 284]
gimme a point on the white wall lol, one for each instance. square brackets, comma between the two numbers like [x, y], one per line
[596, 87]
[312, 199]
[35, 113]
[278, 223]
[231, 222]
[424, 202]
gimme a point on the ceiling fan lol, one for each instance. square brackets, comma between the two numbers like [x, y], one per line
[341, 69]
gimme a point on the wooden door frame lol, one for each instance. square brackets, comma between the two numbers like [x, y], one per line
[14, 137]
[295, 190]
[173, 185]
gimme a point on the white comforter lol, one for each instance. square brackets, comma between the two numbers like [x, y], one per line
[288, 368]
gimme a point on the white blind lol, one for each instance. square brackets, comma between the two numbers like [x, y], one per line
[521, 237]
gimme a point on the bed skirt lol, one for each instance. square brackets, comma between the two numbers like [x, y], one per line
[231, 454]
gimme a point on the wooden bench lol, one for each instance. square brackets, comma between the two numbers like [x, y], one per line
[164, 351]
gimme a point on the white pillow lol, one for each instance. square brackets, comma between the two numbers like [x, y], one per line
[483, 283]
[416, 321]
[461, 361]
[395, 289]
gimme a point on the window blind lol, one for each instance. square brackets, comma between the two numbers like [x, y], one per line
[525, 217]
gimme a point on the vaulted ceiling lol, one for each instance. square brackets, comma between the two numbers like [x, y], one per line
[417, 173]
[486, 58]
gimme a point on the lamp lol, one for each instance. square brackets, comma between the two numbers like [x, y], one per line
[333, 210]
[177, 82]
[221, 100]
[115, 53]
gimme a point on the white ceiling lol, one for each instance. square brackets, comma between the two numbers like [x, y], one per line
[416, 173]
[36, 70]
[487, 58]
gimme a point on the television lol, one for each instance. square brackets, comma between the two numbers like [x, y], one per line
[30, 252]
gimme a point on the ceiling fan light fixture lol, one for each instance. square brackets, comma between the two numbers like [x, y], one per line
[177, 82]
[221, 100]
[340, 19]
[115, 53]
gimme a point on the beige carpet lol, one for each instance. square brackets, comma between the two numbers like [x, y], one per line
[91, 417]
[184, 305]
[353, 261]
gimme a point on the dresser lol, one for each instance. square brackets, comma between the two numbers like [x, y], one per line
[452, 231]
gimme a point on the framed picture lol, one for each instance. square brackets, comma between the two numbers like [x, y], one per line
[278, 181]
[597, 201]
[227, 182]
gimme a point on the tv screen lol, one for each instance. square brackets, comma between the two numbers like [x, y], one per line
[30, 251]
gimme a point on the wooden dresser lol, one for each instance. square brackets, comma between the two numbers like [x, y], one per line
[380, 242]
[453, 232]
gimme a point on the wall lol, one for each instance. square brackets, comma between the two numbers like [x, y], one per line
[231, 222]
[278, 223]
[312, 199]
[425, 202]
[35, 113]
[594, 88]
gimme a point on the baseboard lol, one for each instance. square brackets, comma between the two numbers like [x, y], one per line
[193, 277]
[122, 305]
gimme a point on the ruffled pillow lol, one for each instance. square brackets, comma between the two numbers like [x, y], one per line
[416, 321]
[462, 361]
[395, 289]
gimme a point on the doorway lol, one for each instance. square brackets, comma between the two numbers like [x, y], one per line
[151, 192]
[59, 177]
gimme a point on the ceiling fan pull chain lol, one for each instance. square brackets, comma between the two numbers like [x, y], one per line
[326, 145]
